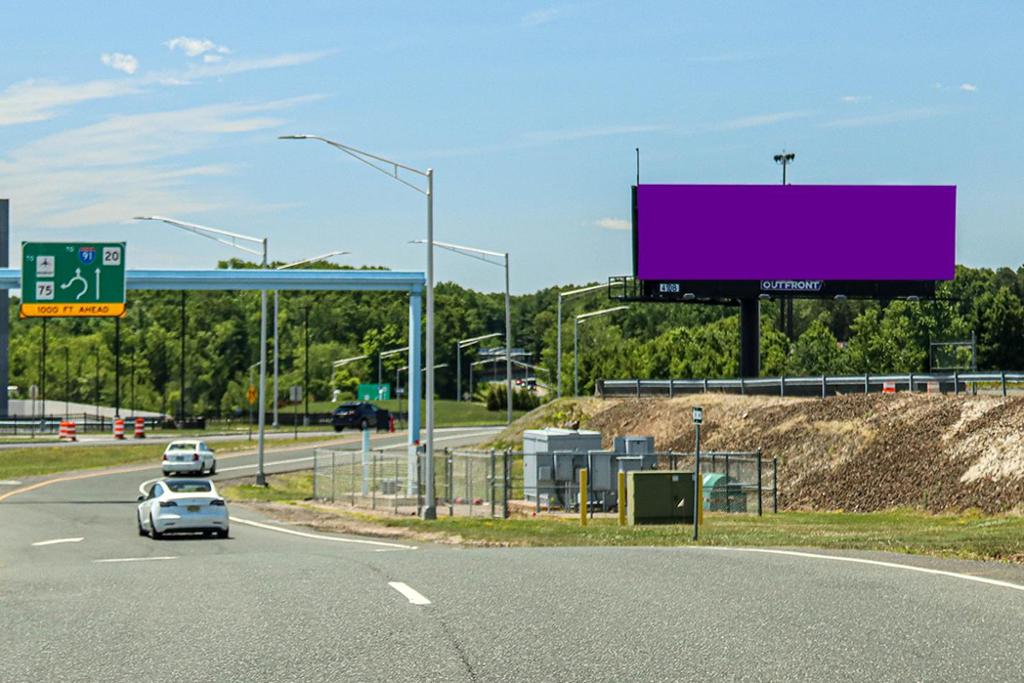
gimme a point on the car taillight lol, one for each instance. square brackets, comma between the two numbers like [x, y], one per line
[165, 456]
[218, 501]
[195, 456]
[168, 504]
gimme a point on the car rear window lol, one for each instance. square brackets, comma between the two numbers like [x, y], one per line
[182, 447]
[189, 486]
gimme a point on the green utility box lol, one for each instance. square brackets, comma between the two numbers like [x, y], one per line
[659, 497]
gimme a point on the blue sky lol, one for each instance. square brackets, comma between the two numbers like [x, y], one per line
[528, 112]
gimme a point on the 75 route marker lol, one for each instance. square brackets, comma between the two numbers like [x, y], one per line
[72, 279]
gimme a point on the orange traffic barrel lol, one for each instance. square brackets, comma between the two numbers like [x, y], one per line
[118, 428]
[140, 428]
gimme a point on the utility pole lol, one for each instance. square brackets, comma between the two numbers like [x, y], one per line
[305, 369]
[181, 399]
[117, 367]
[785, 305]
[67, 385]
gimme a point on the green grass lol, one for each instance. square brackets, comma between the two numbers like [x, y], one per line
[968, 535]
[448, 413]
[29, 462]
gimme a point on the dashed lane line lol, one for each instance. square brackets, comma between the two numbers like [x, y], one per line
[414, 596]
[55, 541]
[137, 559]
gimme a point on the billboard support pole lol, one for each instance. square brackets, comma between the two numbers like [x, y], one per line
[750, 338]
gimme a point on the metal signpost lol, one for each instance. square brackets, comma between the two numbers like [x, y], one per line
[295, 394]
[698, 420]
[72, 279]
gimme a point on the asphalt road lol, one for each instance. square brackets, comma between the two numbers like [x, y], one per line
[280, 603]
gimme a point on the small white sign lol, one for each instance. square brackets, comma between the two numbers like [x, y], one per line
[698, 415]
[111, 256]
[44, 290]
[45, 266]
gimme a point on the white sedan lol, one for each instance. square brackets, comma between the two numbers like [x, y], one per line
[188, 457]
[176, 505]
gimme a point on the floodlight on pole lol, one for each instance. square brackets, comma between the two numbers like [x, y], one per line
[487, 257]
[784, 159]
[558, 344]
[238, 241]
[391, 169]
[277, 348]
[575, 342]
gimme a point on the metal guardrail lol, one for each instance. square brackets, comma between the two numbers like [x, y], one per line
[822, 385]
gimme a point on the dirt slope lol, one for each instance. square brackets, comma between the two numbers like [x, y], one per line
[848, 452]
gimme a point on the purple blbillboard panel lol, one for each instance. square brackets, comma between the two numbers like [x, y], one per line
[795, 232]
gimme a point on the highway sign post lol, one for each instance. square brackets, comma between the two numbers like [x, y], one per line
[698, 420]
[72, 279]
[295, 394]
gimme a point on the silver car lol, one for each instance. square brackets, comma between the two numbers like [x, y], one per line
[188, 457]
[182, 505]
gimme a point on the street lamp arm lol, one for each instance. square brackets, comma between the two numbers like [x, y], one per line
[345, 361]
[321, 257]
[230, 239]
[582, 290]
[466, 343]
[472, 252]
[583, 316]
[367, 159]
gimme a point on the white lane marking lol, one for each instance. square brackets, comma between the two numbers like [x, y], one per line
[411, 593]
[138, 559]
[10, 482]
[55, 541]
[877, 563]
[321, 537]
[267, 464]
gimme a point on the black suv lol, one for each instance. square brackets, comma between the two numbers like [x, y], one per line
[361, 415]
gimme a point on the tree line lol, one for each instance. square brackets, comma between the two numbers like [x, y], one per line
[221, 340]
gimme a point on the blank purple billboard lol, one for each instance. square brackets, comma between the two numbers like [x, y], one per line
[795, 232]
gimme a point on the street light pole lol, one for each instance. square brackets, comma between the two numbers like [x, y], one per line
[558, 343]
[486, 256]
[277, 348]
[391, 169]
[575, 342]
[465, 344]
[233, 239]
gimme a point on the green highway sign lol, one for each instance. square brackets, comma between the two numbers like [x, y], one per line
[70, 279]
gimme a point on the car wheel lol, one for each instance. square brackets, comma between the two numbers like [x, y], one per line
[213, 467]
[138, 523]
[338, 428]
[222, 534]
[153, 533]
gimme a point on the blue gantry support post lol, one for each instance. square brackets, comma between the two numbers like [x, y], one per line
[415, 387]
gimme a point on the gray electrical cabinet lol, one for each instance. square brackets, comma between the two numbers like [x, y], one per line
[550, 461]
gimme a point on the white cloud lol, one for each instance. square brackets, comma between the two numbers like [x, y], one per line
[194, 47]
[125, 165]
[855, 99]
[759, 120]
[30, 101]
[541, 16]
[120, 61]
[212, 59]
[549, 136]
[884, 119]
[968, 87]
[613, 224]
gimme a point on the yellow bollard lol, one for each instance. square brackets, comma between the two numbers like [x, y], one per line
[583, 497]
[700, 500]
[622, 499]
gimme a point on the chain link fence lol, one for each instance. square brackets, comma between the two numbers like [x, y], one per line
[479, 483]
